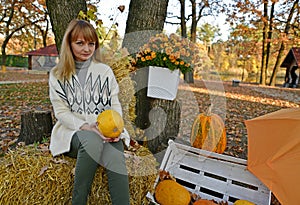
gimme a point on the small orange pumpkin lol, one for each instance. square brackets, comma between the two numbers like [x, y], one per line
[208, 132]
[170, 192]
[204, 202]
[243, 202]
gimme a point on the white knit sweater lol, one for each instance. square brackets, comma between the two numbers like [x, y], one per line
[75, 105]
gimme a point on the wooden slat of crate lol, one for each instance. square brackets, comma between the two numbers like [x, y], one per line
[214, 176]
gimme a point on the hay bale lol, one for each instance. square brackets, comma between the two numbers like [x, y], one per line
[32, 176]
[121, 66]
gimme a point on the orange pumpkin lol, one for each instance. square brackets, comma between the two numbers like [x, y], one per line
[170, 192]
[243, 202]
[208, 132]
[204, 202]
[110, 123]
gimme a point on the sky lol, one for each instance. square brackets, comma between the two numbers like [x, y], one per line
[107, 8]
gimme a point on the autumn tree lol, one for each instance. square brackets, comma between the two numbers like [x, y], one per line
[198, 10]
[271, 22]
[43, 30]
[145, 20]
[289, 22]
[17, 16]
[61, 12]
[206, 33]
[137, 33]
[244, 16]
[183, 26]
[244, 41]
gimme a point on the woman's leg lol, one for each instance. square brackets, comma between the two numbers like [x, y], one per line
[87, 147]
[114, 161]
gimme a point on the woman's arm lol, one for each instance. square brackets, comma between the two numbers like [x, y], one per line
[62, 111]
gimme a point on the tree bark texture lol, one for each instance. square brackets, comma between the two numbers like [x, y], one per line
[61, 12]
[145, 19]
[269, 37]
[264, 46]
[159, 118]
[164, 124]
[35, 125]
[189, 76]
[143, 104]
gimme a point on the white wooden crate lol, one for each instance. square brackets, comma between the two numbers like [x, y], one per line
[213, 176]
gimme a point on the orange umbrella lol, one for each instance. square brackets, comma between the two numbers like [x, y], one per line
[274, 153]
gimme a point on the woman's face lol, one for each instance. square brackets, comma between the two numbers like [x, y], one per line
[82, 49]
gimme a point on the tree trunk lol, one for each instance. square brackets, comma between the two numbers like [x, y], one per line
[182, 19]
[264, 46]
[143, 103]
[35, 125]
[189, 76]
[165, 121]
[282, 46]
[159, 118]
[3, 57]
[277, 64]
[61, 12]
[269, 37]
[144, 20]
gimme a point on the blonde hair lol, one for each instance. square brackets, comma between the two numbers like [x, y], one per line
[66, 65]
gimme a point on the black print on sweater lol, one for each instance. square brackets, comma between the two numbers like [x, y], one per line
[92, 99]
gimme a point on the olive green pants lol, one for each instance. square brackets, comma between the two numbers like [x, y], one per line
[91, 152]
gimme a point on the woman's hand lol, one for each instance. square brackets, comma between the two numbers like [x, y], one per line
[93, 127]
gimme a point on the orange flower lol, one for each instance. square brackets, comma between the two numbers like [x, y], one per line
[154, 46]
[169, 50]
[177, 54]
[153, 54]
[172, 57]
[178, 44]
[184, 42]
[148, 50]
[165, 38]
[183, 51]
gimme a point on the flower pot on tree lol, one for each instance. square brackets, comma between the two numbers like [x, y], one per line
[162, 83]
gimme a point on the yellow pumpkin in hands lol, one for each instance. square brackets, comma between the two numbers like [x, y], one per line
[110, 123]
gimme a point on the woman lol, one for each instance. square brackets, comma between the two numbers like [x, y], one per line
[80, 88]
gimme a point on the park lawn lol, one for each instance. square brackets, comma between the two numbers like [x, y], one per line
[17, 98]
